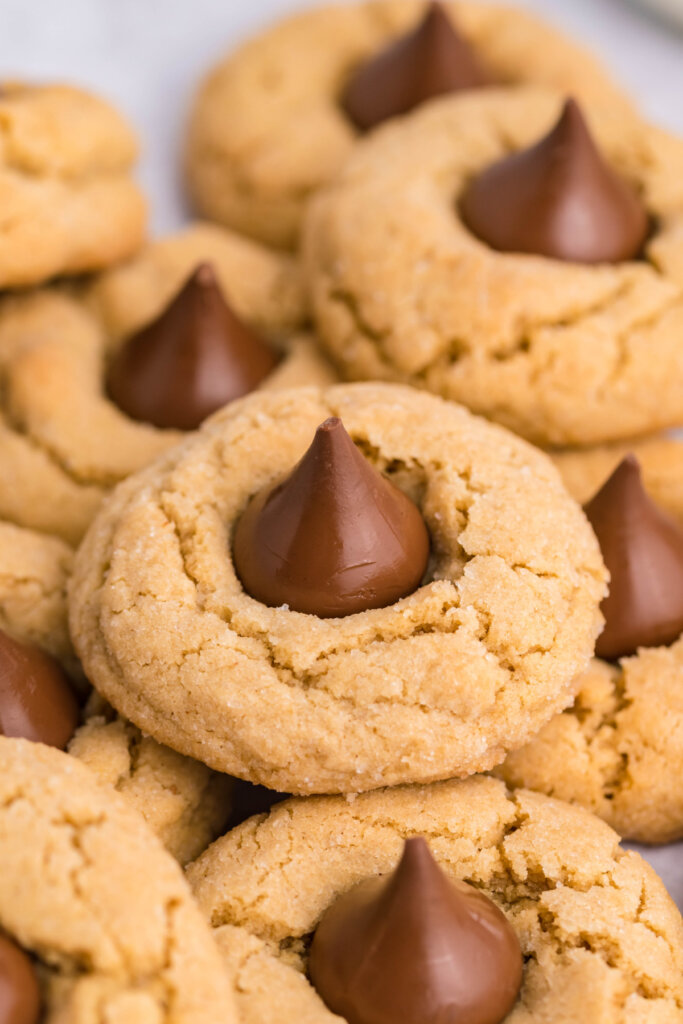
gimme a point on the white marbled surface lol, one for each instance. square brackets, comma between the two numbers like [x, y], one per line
[147, 56]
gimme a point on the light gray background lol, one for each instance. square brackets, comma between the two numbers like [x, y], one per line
[147, 56]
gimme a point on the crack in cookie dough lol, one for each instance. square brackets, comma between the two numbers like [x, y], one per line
[268, 130]
[561, 353]
[442, 682]
[60, 435]
[601, 939]
[62, 149]
[93, 895]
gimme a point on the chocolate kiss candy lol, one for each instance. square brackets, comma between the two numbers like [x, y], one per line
[643, 550]
[36, 699]
[558, 199]
[193, 359]
[249, 799]
[431, 60]
[416, 948]
[19, 992]
[334, 537]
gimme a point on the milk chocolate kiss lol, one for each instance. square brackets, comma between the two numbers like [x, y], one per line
[431, 60]
[194, 358]
[416, 948]
[558, 199]
[334, 537]
[19, 992]
[36, 699]
[643, 549]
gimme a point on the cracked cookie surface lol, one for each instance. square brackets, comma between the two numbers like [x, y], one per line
[69, 202]
[619, 750]
[184, 803]
[182, 800]
[561, 353]
[106, 912]
[602, 940]
[63, 442]
[443, 682]
[267, 128]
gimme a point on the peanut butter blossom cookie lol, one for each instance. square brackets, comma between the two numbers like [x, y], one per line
[507, 250]
[97, 923]
[275, 120]
[69, 201]
[364, 562]
[619, 750]
[95, 386]
[456, 901]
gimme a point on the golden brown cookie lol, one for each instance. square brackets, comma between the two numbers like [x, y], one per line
[619, 750]
[63, 443]
[184, 803]
[34, 569]
[91, 894]
[602, 940]
[70, 204]
[440, 683]
[267, 129]
[561, 352]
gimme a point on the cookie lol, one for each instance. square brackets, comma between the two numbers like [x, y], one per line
[68, 152]
[660, 458]
[95, 900]
[440, 682]
[63, 442]
[184, 803]
[562, 352]
[619, 750]
[34, 569]
[601, 939]
[268, 129]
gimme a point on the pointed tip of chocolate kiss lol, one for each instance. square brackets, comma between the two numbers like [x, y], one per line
[559, 199]
[431, 60]
[642, 548]
[334, 537]
[20, 999]
[193, 359]
[414, 946]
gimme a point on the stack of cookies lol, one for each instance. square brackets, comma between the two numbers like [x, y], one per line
[322, 697]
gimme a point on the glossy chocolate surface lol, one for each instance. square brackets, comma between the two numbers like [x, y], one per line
[194, 358]
[642, 548]
[37, 701]
[416, 948]
[19, 992]
[431, 60]
[334, 537]
[559, 199]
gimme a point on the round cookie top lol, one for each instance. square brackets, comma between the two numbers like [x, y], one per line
[105, 911]
[442, 682]
[64, 150]
[268, 126]
[62, 439]
[601, 938]
[561, 352]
